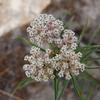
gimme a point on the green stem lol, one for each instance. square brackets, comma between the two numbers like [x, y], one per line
[62, 90]
[55, 89]
[77, 88]
[57, 85]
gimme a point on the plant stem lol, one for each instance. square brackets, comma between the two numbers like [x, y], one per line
[55, 89]
[77, 88]
[57, 85]
[63, 88]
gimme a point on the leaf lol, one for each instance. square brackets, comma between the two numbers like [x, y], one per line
[87, 50]
[82, 34]
[94, 34]
[76, 87]
[98, 58]
[70, 21]
[92, 67]
[91, 59]
[88, 47]
[89, 95]
[20, 38]
[22, 84]
[95, 81]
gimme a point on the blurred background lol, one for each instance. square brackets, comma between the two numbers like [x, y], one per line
[15, 15]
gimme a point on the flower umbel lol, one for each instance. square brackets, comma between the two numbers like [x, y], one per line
[48, 33]
[45, 29]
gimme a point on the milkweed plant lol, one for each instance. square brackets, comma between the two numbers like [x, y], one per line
[56, 55]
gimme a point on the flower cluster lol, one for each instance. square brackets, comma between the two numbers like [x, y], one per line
[67, 63]
[59, 54]
[39, 67]
[45, 29]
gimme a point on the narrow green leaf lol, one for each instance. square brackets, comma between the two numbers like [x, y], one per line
[98, 58]
[89, 95]
[87, 50]
[20, 38]
[82, 35]
[88, 47]
[92, 67]
[91, 59]
[69, 22]
[86, 57]
[94, 34]
[95, 81]
[22, 84]
[77, 88]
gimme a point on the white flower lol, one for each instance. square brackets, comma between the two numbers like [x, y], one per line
[45, 29]
[39, 67]
[69, 63]
[59, 55]
[70, 39]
